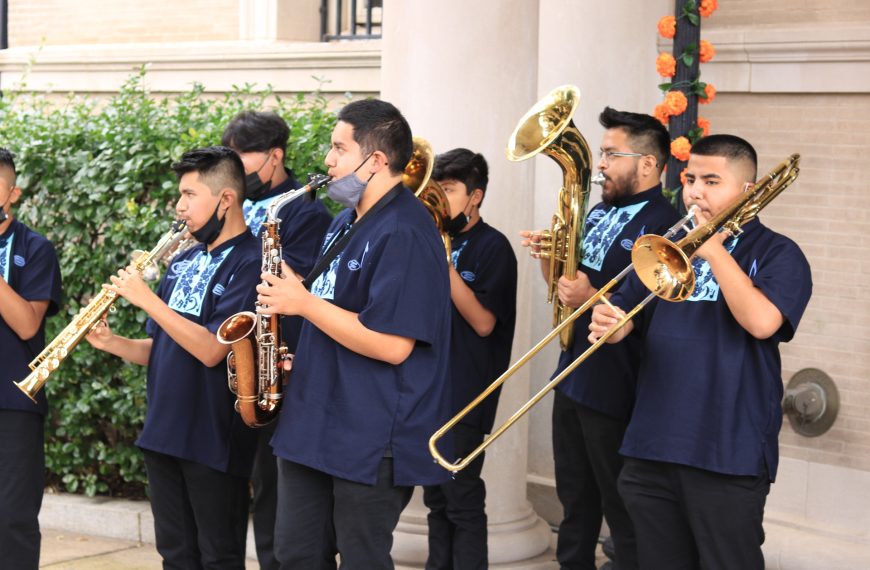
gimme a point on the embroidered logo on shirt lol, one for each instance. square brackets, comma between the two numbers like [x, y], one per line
[255, 213]
[218, 290]
[190, 289]
[601, 237]
[5, 256]
[468, 276]
[354, 264]
[706, 286]
[627, 244]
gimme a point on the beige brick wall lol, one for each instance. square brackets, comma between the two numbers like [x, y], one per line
[61, 22]
[827, 212]
[754, 13]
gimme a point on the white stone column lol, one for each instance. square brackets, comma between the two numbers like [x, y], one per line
[463, 73]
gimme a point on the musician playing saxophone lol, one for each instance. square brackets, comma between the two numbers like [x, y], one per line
[29, 292]
[198, 452]
[592, 406]
[701, 447]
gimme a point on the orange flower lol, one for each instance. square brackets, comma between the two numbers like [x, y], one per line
[707, 7]
[666, 65]
[675, 102]
[707, 51]
[661, 113]
[680, 148]
[704, 125]
[710, 91]
[667, 27]
[683, 176]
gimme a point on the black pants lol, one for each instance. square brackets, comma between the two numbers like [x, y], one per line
[587, 464]
[319, 515]
[22, 482]
[689, 518]
[457, 516]
[264, 480]
[200, 514]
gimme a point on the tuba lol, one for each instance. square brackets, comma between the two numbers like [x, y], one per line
[661, 265]
[255, 371]
[418, 178]
[548, 128]
[51, 357]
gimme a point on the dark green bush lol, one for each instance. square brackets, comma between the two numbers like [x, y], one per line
[97, 183]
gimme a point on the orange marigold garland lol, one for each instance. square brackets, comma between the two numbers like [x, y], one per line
[666, 65]
[710, 94]
[675, 102]
[706, 51]
[707, 7]
[680, 147]
[704, 125]
[667, 27]
[661, 113]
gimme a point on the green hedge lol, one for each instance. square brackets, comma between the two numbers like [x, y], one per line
[96, 181]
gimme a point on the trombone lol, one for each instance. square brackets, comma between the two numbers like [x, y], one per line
[662, 266]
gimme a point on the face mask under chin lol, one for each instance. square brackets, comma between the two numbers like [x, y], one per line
[211, 229]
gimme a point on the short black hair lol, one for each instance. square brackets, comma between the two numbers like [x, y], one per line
[256, 131]
[645, 133]
[464, 166]
[218, 167]
[378, 125]
[7, 160]
[732, 147]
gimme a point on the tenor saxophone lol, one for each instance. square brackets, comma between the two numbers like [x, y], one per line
[53, 355]
[255, 371]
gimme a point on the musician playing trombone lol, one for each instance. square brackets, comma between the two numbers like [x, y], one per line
[592, 406]
[701, 447]
[29, 292]
[198, 452]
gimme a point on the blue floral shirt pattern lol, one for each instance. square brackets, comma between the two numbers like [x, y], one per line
[192, 281]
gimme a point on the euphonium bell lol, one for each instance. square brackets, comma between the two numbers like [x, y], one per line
[547, 128]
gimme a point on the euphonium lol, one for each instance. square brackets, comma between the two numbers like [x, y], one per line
[47, 361]
[417, 177]
[548, 128]
[255, 371]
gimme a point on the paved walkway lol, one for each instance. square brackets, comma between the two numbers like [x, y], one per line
[62, 550]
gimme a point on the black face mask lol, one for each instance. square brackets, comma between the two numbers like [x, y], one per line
[211, 229]
[458, 222]
[256, 188]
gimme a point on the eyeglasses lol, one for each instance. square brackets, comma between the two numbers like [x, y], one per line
[606, 155]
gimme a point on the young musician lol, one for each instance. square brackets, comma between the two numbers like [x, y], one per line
[701, 448]
[593, 404]
[29, 292]
[260, 139]
[369, 380]
[198, 453]
[483, 288]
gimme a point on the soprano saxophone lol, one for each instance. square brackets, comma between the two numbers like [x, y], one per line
[50, 359]
[255, 371]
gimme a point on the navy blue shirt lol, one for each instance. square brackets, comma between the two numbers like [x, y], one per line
[708, 392]
[190, 409]
[605, 382]
[29, 264]
[343, 412]
[303, 224]
[484, 259]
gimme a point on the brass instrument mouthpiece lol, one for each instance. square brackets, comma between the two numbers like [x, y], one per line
[598, 179]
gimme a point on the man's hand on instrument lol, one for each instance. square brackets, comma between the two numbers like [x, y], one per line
[575, 292]
[100, 335]
[603, 319]
[129, 284]
[532, 240]
[713, 246]
[283, 295]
